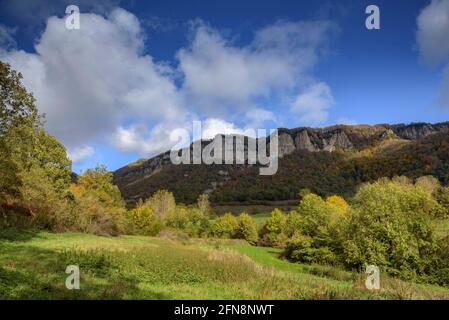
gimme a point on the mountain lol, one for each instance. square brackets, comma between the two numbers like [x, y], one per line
[330, 160]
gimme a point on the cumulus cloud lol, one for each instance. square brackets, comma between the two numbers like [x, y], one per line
[212, 127]
[433, 40]
[89, 80]
[432, 34]
[80, 154]
[313, 103]
[216, 72]
[98, 84]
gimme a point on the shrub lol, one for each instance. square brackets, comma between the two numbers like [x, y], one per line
[390, 227]
[292, 224]
[428, 184]
[302, 248]
[315, 230]
[178, 218]
[204, 205]
[246, 228]
[99, 206]
[143, 221]
[162, 203]
[225, 226]
[442, 196]
[275, 224]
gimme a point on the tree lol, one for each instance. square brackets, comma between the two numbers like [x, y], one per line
[17, 109]
[442, 196]
[99, 205]
[162, 203]
[143, 221]
[246, 228]
[17, 106]
[275, 223]
[34, 167]
[225, 226]
[390, 226]
[428, 183]
[204, 205]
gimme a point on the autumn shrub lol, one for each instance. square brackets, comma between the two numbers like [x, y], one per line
[314, 230]
[162, 203]
[143, 221]
[99, 206]
[246, 228]
[442, 196]
[390, 226]
[225, 226]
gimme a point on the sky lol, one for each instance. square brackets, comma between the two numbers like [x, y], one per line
[121, 86]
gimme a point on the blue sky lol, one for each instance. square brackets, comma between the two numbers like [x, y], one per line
[136, 71]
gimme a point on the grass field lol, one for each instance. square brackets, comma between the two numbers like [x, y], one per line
[32, 266]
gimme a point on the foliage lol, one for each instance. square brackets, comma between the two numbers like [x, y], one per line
[315, 237]
[390, 226]
[203, 204]
[162, 203]
[429, 184]
[246, 228]
[143, 221]
[442, 196]
[225, 226]
[34, 167]
[276, 223]
[99, 206]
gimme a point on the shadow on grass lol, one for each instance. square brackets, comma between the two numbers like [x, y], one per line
[33, 273]
[14, 234]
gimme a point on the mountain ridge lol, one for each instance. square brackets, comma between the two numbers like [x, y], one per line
[140, 179]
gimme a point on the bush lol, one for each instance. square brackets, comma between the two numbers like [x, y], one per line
[428, 184]
[246, 228]
[292, 224]
[302, 248]
[99, 206]
[390, 227]
[275, 224]
[315, 230]
[442, 196]
[225, 226]
[162, 203]
[143, 221]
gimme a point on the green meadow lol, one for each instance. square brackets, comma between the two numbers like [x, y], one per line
[32, 266]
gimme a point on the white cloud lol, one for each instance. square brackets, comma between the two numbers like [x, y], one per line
[96, 84]
[279, 58]
[256, 117]
[88, 81]
[432, 34]
[313, 103]
[433, 40]
[80, 154]
[212, 127]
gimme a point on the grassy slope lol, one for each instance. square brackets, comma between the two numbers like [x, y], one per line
[32, 266]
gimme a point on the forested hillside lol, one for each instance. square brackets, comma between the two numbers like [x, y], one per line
[326, 161]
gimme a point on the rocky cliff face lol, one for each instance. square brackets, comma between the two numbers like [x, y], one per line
[143, 173]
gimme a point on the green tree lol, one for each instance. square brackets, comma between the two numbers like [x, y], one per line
[100, 208]
[246, 228]
[34, 167]
[225, 226]
[390, 226]
[275, 223]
